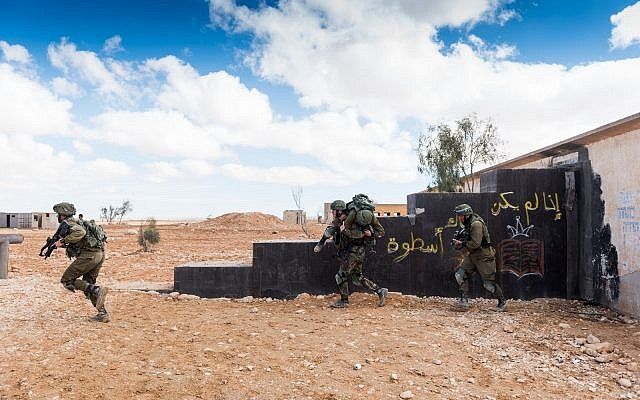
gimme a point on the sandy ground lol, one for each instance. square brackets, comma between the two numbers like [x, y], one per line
[161, 346]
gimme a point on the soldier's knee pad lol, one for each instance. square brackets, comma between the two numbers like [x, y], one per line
[340, 278]
[490, 286]
[357, 279]
[461, 276]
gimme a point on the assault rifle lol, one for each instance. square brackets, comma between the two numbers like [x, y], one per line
[50, 244]
[461, 236]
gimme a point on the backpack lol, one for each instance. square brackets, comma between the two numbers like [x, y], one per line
[361, 202]
[96, 237]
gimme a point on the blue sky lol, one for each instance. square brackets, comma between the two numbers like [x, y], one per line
[192, 108]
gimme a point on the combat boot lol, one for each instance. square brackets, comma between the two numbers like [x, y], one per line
[502, 304]
[100, 293]
[382, 295]
[342, 303]
[463, 302]
[102, 316]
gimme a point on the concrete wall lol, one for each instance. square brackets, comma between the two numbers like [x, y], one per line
[294, 217]
[28, 220]
[391, 210]
[615, 161]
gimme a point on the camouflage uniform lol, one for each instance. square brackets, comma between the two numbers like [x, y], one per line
[349, 239]
[480, 258]
[87, 263]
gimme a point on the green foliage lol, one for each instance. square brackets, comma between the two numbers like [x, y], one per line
[148, 234]
[447, 155]
[111, 213]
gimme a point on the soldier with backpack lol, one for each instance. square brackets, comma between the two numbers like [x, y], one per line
[350, 232]
[84, 241]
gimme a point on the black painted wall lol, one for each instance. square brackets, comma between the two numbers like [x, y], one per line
[526, 213]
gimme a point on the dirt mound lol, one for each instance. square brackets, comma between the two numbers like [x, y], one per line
[244, 220]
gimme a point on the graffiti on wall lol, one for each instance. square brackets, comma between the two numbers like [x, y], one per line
[435, 245]
[548, 202]
[520, 254]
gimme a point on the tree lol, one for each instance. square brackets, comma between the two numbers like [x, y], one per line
[111, 213]
[124, 209]
[108, 214]
[296, 193]
[447, 154]
[148, 235]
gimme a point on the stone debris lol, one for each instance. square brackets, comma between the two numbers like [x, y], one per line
[564, 325]
[394, 377]
[407, 394]
[357, 366]
[592, 339]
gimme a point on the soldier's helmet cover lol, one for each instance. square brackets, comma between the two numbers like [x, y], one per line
[338, 205]
[364, 217]
[66, 209]
[463, 209]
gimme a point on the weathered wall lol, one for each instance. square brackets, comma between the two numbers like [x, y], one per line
[614, 160]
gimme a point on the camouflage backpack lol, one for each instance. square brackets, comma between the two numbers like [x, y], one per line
[96, 237]
[361, 202]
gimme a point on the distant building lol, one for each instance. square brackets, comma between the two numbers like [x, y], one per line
[28, 220]
[382, 210]
[294, 217]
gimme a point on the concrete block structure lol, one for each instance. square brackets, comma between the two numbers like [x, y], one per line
[382, 210]
[28, 220]
[294, 217]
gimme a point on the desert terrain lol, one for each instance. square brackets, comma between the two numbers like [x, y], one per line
[162, 345]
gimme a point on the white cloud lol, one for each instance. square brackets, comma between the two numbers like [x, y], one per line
[385, 63]
[64, 87]
[161, 171]
[292, 175]
[197, 167]
[626, 27]
[217, 97]
[87, 66]
[103, 167]
[82, 147]
[113, 45]
[30, 108]
[15, 53]
[156, 132]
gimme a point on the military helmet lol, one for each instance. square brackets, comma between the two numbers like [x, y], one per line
[463, 209]
[364, 217]
[338, 205]
[66, 209]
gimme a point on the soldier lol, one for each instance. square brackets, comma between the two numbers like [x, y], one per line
[350, 243]
[89, 256]
[480, 257]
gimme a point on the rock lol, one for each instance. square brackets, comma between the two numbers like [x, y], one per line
[602, 359]
[632, 366]
[624, 382]
[320, 297]
[508, 328]
[602, 347]
[174, 329]
[471, 381]
[407, 394]
[300, 311]
[590, 351]
[131, 232]
[592, 339]
[521, 379]
[254, 310]
[394, 377]
[174, 295]
[579, 341]
[627, 320]
[437, 362]
[188, 297]
[624, 361]
[564, 325]
[246, 299]
[357, 366]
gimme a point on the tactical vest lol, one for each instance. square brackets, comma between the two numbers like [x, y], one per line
[486, 239]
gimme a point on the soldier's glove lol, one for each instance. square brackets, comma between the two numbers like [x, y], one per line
[317, 248]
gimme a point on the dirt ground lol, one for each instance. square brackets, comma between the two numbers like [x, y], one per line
[170, 346]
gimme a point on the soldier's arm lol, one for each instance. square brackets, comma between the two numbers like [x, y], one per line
[351, 218]
[475, 236]
[76, 233]
[377, 226]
